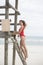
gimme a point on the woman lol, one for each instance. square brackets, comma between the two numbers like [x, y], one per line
[22, 37]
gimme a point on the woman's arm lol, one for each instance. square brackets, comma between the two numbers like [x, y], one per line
[18, 32]
[14, 33]
[21, 29]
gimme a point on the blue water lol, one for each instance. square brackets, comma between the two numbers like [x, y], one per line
[34, 40]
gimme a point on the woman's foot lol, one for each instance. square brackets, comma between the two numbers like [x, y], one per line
[26, 56]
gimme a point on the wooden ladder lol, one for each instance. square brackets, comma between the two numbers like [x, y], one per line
[18, 50]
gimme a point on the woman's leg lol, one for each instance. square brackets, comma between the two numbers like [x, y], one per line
[24, 46]
[21, 47]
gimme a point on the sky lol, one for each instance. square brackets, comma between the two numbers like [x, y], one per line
[32, 12]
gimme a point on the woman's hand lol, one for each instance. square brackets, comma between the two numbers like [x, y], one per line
[18, 35]
[14, 33]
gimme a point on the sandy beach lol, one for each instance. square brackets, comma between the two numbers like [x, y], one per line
[35, 55]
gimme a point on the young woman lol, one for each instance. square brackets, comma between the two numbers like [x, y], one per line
[22, 37]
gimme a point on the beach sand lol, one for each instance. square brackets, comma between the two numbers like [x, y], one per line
[35, 55]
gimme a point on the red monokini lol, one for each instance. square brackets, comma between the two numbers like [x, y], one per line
[22, 32]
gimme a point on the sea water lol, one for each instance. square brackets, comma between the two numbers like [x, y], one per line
[28, 40]
[34, 40]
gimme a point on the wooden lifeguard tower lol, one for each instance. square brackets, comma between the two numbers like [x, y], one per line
[6, 33]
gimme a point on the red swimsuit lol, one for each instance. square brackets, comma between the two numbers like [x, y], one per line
[22, 32]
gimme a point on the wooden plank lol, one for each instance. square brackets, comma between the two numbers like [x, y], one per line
[14, 24]
[15, 29]
[6, 36]
[7, 10]
[14, 9]
[2, 34]
[10, 14]
[11, 24]
[3, 7]
[4, 19]
[6, 49]
[10, 6]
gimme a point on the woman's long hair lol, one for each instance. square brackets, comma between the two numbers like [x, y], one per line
[24, 24]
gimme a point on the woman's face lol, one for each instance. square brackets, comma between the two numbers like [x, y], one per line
[20, 22]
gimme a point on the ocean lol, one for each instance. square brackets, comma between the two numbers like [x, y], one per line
[34, 40]
[29, 40]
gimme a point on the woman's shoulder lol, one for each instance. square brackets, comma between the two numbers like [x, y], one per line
[22, 27]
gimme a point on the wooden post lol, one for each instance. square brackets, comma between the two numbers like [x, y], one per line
[14, 8]
[15, 29]
[6, 37]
